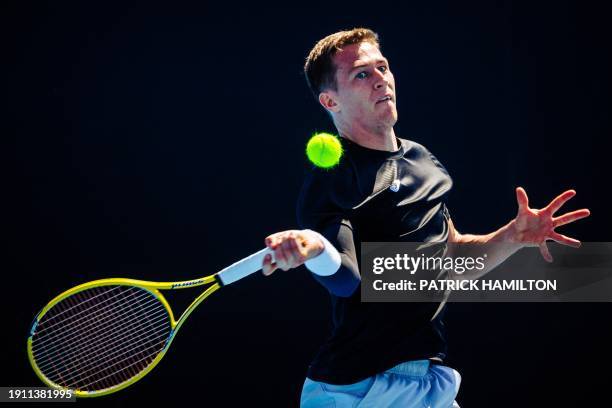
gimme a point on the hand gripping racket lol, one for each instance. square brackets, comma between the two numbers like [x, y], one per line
[102, 336]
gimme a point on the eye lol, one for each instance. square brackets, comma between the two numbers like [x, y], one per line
[362, 75]
[383, 68]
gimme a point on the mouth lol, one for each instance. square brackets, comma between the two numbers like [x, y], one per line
[384, 99]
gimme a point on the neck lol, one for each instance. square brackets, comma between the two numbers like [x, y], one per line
[379, 139]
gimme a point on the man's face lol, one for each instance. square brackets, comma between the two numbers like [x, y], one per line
[365, 94]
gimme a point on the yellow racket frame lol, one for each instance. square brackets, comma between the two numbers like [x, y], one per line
[152, 287]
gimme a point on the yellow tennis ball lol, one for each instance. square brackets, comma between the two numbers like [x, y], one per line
[324, 150]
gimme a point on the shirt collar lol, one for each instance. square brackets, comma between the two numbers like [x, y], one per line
[383, 154]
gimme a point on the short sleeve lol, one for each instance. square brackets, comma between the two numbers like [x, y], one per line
[316, 210]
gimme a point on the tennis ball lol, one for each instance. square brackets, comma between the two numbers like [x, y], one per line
[324, 150]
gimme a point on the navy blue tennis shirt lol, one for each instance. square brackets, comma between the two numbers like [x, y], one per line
[375, 196]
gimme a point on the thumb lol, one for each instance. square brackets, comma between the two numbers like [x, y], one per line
[522, 199]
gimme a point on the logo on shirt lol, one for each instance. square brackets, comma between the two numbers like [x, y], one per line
[395, 186]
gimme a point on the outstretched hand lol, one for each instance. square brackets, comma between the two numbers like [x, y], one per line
[534, 227]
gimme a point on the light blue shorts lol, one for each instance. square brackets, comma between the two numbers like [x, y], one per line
[408, 385]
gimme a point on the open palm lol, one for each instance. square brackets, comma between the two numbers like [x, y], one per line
[534, 227]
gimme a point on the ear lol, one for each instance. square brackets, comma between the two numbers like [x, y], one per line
[329, 101]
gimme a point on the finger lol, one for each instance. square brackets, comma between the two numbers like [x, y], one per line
[268, 266]
[298, 256]
[522, 199]
[570, 217]
[545, 252]
[284, 251]
[282, 259]
[558, 202]
[288, 251]
[271, 240]
[562, 239]
[301, 244]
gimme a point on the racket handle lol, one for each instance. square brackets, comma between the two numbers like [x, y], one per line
[244, 267]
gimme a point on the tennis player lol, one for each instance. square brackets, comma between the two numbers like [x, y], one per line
[384, 189]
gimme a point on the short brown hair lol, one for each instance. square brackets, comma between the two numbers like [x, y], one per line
[319, 68]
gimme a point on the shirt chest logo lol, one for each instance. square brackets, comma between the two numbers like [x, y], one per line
[395, 186]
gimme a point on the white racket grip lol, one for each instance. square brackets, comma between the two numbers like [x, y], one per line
[244, 267]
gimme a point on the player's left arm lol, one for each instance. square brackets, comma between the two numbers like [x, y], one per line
[530, 227]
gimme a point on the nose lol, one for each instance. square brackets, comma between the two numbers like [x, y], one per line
[381, 80]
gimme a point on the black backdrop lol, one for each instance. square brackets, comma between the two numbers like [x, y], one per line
[166, 141]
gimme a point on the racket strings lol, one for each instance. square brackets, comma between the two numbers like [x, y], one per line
[88, 370]
[119, 365]
[106, 355]
[95, 344]
[76, 304]
[99, 342]
[106, 336]
[79, 331]
[63, 335]
[143, 362]
[77, 301]
[109, 347]
[86, 327]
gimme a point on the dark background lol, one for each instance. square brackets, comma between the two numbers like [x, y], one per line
[165, 142]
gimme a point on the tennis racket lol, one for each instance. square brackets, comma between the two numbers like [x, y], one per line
[102, 336]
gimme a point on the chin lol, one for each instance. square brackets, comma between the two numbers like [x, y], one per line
[390, 118]
[394, 116]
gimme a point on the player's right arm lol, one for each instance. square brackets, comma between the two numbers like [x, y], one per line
[323, 209]
[332, 261]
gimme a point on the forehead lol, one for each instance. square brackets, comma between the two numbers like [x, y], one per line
[355, 55]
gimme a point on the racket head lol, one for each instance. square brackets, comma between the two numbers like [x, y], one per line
[100, 337]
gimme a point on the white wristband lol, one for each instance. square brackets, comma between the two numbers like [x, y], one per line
[327, 262]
